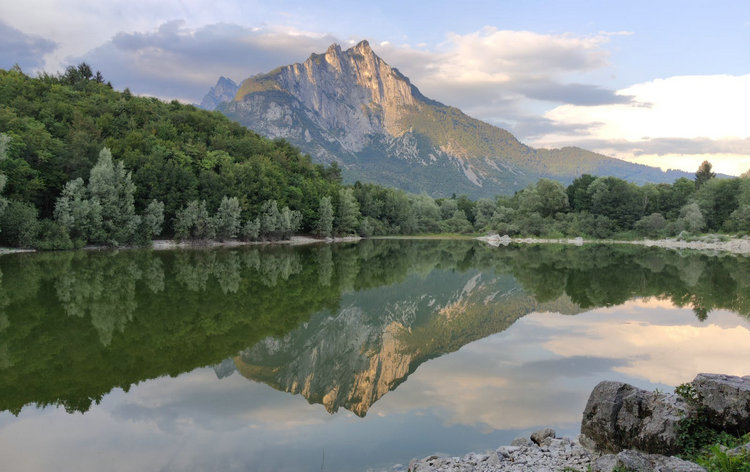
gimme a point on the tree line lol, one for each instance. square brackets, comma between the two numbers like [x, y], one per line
[83, 164]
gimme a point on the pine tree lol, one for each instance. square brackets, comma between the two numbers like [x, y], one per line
[704, 174]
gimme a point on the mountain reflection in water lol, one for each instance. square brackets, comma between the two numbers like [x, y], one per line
[344, 325]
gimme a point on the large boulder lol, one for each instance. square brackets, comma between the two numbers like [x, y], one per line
[620, 416]
[725, 400]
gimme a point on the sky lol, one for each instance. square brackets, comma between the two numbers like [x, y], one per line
[664, 83]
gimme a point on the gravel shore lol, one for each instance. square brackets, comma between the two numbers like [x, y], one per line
[706, 243]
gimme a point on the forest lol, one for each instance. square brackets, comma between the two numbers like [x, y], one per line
[82, 164]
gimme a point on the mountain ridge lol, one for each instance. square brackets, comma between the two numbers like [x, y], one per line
[353, 108]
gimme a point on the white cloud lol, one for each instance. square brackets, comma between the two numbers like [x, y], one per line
[706, 113]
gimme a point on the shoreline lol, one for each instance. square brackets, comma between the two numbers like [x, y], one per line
[169, 244]
[708, 243]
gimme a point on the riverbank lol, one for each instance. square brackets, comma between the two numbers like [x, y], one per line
[703, 243]
[168, 244]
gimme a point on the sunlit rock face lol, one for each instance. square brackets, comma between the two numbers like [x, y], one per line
[355, 356]
[351, 107]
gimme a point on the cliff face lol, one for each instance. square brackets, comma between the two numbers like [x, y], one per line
[351, 107]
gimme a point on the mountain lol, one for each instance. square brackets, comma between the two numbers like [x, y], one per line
[224, 91]
[352, 108]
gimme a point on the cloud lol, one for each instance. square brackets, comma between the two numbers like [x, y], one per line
[22, 49]
[680, 119]
[491, 73]
[174, 61]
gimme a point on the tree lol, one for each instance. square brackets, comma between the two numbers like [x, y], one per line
[153, 218]
[552, 196]
[704, 174]
[20, 224]
[4, 141]
[484, 210]
[691, 218]
[578, 196]
[270, 220]
[227, 220]
[290, 222]
[80, 216]
[651, 225]
[111, 185]
[347, 221]
[193, 222]
[324, 224]
[251, 230]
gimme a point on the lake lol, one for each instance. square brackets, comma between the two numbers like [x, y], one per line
[345, 357]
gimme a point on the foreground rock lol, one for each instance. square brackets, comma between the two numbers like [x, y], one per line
[551, 455]
[725, 400]
[620, 416]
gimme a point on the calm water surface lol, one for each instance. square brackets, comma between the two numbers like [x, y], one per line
[345, 357]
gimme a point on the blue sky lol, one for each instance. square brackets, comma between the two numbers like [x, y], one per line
[660, 82]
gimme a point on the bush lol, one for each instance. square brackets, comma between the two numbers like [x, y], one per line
[54, 237]
[19, 224]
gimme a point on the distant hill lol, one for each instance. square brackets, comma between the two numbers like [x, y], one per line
[352, 108]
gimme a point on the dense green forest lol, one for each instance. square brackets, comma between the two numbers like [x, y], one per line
[81, 163]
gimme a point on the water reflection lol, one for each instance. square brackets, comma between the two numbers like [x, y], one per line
[529, 330]
[340, 325]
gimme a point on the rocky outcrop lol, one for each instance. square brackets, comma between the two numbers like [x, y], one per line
[620, 416]
[725, 399]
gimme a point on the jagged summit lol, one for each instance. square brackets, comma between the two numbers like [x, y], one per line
[351, 107]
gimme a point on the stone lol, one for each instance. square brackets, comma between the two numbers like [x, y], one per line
[620, 416]
[636, 461]
[745, 449]
[521, 441]
[726, 400]
[542, 434]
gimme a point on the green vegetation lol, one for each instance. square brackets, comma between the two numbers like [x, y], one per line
[83, 164]
[705, 445]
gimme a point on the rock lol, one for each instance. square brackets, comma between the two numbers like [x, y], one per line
[521, 441]
[641, 462]
[620, 416]
[740, 450]
[542, 434]
[726, 399]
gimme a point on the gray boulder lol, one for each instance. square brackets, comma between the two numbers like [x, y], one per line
[641, 462]
[539, 436]
[620, 416]
[726, 400]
